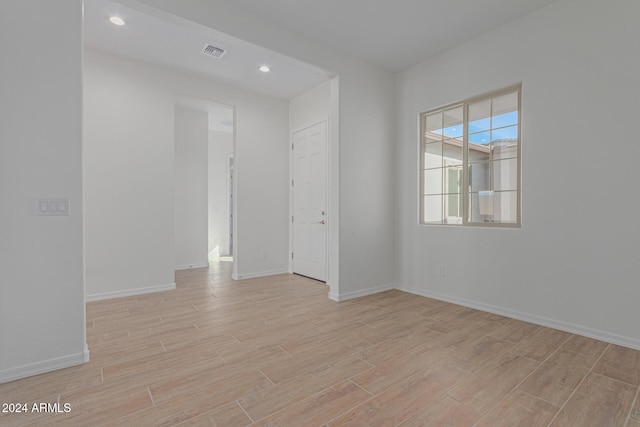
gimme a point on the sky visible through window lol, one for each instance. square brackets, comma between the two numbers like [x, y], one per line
[483, 131]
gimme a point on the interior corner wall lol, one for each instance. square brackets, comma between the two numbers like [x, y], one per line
[129, 174]
[191, 204]
[367, 183]
[220, 149]
[42, 314]
[573, 264]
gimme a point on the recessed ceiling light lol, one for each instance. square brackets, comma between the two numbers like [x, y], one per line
[116, 20]
[264, 69]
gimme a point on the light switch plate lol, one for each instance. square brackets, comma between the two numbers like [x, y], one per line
[52, 206]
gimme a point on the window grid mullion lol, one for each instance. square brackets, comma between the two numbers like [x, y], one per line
[442, 177]
[466, 205]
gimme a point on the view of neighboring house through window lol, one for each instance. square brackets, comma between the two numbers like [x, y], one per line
[470, 155]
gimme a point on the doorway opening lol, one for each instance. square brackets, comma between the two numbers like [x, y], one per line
[220, 184]
[204, 142]
[230, 193]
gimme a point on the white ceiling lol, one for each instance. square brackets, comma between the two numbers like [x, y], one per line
[394, 34]
[166, 40]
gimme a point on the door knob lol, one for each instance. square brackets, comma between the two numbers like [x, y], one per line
[321, 222]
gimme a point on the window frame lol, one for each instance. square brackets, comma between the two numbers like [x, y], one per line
[466, 191]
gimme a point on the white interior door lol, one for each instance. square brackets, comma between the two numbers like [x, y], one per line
[309, 201]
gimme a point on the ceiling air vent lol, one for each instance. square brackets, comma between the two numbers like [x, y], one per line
[216, 52]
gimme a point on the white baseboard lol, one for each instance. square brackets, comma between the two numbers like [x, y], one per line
[259, 274]
[190, 266]
[361, 293]
[129, 292]
[44, 366]
[532, 318]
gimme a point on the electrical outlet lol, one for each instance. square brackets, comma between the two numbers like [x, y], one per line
[263, 254]
[440, 271]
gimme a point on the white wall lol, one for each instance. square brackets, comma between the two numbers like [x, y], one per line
[311, 107]
[42, 317]
[130, 122]
[220, 148]
[190, 185]
[129, 178]
[573, 264]
[367, 183]
[362, 175]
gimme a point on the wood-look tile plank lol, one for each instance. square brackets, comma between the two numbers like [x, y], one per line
[477, 354]
[487, 386]
[387, 332]
[227, 416]
[444, 412]
[249, 354]
[101, 403]
[101, 326]
[392, 317]
[398, 403]
[105, 337]
[410, 341]
[455, 319]
[177, 386]
[216, 404]
[215, 393]
[176, 341]
[310, 360]
[318, 409]
[635, 409]
[434, 311]
[586, 347]
[279, 396]
[336, 317]
[620, 363]
[397, 369]
[515, 331]
[128, 349]
[541, 344]
[599, 401]
[458, 319]
[272, 328]
[520, 409]
[351, 332]
[466, 332]
[193, 358]
[161, 330]
[558, 377]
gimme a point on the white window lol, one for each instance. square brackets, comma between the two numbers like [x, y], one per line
[470, 161]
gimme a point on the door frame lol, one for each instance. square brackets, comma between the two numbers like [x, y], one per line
[328, 216]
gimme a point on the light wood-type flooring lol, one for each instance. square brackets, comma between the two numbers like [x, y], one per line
[277, 352]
